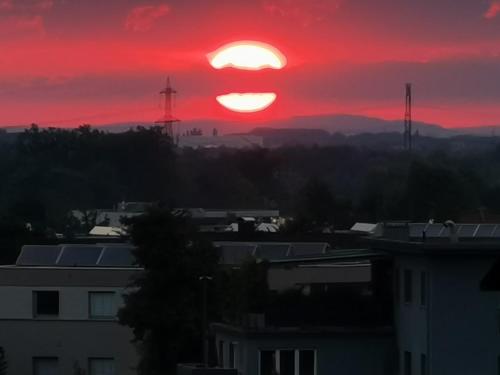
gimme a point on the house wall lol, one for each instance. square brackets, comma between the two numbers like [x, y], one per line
[70, 341]
[458, 330]
[465, 332]
[280, 279]
[73, 301]
[411, 319]
[340, 355]
[72, 336]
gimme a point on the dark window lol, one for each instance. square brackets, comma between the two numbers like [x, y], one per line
[423, 289]
[45, 366]
[220, 353]
[407, 363]
[46, 303]
[408, 287]
[267, 362]
[287, 362]
[423, 364]
[306, 362]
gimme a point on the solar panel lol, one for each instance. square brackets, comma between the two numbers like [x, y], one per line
[38, 255]
[496, 232]
[79, 255]
[417, 229]
[117, 256]
[303, 248]
[485, 230]
[434, 230]
[235, 253]
[466, 230]
[272, 251]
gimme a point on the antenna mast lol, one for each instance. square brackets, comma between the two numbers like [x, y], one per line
[168, 119]
[407, 136]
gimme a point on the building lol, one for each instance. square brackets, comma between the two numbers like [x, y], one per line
[59, 307]
[324, 313]
[447, 296]
[230, 141]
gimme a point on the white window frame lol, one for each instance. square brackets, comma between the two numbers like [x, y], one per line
[235, 345]
[296, 358]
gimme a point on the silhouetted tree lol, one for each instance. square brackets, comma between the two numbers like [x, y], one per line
[163, 308]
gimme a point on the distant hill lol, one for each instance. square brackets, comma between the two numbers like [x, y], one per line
[346, 124]
[335, 123]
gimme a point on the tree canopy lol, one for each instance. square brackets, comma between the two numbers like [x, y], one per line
[164, 303]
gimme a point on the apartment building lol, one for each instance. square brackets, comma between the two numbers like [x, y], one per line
[446, 296]
[58, 314]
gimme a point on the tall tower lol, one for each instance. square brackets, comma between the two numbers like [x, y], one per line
[168, 119]
[407, 136]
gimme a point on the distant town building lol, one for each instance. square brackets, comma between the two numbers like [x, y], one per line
[215, 140]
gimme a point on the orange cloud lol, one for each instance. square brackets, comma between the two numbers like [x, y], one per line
[493, 10]
[143, 18]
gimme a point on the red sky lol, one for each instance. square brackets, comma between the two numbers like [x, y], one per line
[67, 62]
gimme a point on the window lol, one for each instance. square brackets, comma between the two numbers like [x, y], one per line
[408, 287]
[46, 303]
[307, 362]
[220, 353]
[102, 305]
[45, 366]
[267, 362]
[287, 362]
[423, 288]
[407, 363]
[101, 366]
[423, 364]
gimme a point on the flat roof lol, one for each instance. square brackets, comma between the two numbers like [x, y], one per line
[476, 247]
[319, 331]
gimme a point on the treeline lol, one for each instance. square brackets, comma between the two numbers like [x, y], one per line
[46, 173]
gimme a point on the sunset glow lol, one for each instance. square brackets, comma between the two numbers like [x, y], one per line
[248, 55]
[247, 103]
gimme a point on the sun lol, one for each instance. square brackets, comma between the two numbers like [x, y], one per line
[248, 102]
[248, 55]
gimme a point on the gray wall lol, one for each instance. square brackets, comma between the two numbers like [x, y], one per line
[71, 336]
[458, 330]
[70, 341]
[464, 322]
